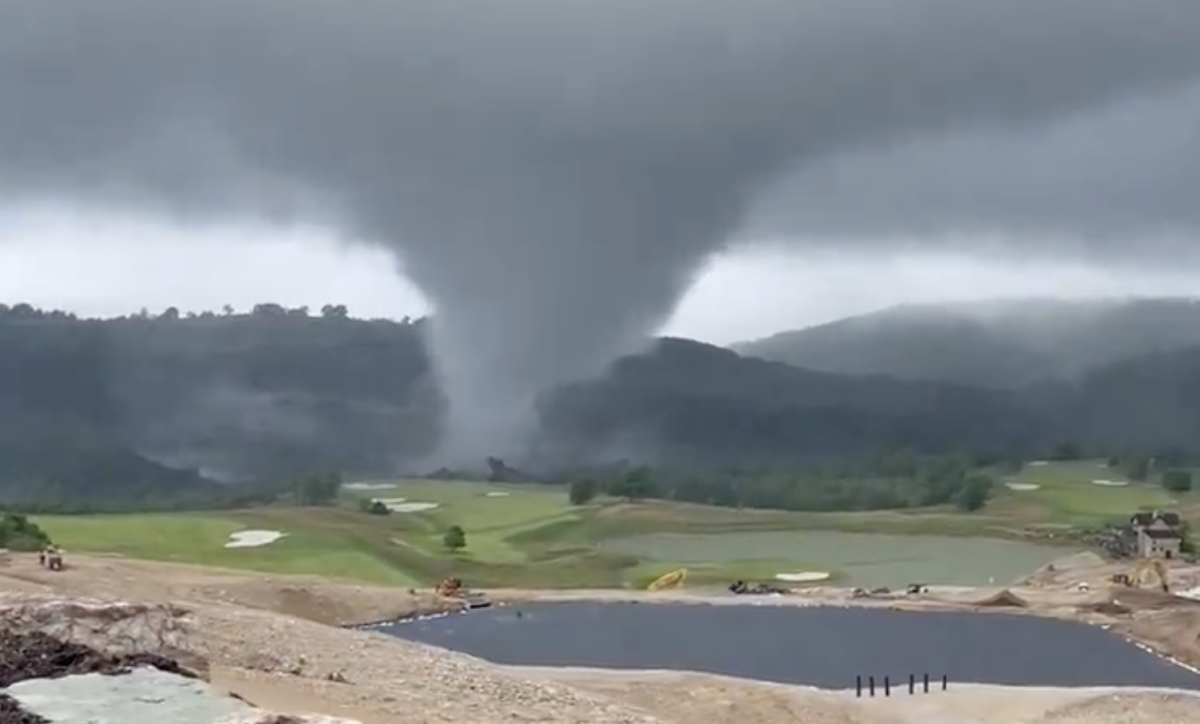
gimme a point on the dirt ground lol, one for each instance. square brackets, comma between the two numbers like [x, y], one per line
[273, 640]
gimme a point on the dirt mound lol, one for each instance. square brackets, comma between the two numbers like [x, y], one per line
[1108, 608]
[37, 656]
[1134, 707]
[1003, 599]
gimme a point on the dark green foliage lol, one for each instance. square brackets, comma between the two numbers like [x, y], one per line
[18, 533]
[455, 538]
[1177, 481]
[317, 489]
[582, 491]
[1186, 544]
[634, 484]
[125, 414]
[373, 507]
[974, 493]
[1137, 468]
[121, 414]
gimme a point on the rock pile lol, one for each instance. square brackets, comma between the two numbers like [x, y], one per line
[44, 639]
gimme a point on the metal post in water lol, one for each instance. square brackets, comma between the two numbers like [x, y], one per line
[943, 682]
[925, 682]
[858, 686]
[871, 684]
[887, 686]
[912, 683]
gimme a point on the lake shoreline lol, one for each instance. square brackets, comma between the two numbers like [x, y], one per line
[999, 650]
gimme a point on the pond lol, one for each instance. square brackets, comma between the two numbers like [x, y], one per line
[826, 647]
[862, 559]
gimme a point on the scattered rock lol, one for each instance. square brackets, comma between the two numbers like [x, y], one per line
[12, 713]
[110, 627]
[38, 656]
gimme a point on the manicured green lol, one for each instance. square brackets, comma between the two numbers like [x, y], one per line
[531, 536]
[1068, 494]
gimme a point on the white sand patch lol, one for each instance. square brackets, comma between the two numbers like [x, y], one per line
[1111, 483]
[369, 486]
[413, 507]
[253, 538]
[1038, 463]
[803, 577]
[404, 505]
[1022, 486]
[1192, 593]
[497, 494]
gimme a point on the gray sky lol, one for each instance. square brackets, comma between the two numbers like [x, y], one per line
[103, 265]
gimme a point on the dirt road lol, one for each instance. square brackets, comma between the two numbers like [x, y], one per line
[270, 640]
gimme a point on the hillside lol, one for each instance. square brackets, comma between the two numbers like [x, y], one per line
[102, 413]
[170, 403]
[689, 402]
[1000, 344]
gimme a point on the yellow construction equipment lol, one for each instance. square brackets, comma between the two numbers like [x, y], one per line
[674, 579]
[1145, 573]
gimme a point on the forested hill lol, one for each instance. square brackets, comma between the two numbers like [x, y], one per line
[1002, 344]
[171, 406]
[272, 393]
[691, 402]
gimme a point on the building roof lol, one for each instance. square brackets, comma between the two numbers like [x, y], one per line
[1171, 519]
[1162, 534]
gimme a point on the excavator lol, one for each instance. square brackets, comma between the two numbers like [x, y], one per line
[453, 588]
[1145, 573]
[674, 579]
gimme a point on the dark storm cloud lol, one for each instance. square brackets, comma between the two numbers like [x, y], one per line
[1094, 180]
[551, 172]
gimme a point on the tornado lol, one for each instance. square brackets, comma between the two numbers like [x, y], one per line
[551, 173]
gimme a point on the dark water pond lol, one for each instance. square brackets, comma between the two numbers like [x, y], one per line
[824, 647]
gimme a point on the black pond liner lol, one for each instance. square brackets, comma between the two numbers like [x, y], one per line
[819, 646]
[37, 656]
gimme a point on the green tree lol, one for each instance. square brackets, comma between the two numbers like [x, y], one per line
[975, 492]
[1186, 544]
[317, 489]
[373, 507]
[582, 491]
[1177, 481]
[1138, 468]
[18, 533]
[455, 538]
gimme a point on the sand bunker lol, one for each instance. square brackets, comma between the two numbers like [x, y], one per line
[497, 494]
[1022, 486]
[369, 486]
[253, 538]
[404, 505]
[1111, 483]
[1038, 463]
[803, 577]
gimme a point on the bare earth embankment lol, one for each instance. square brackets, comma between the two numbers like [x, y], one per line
[273, 641]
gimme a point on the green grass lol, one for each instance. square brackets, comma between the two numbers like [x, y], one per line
[532, 537]
[1067, 495]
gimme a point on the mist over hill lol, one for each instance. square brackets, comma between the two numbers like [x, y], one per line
[175, 407]
[999, 344]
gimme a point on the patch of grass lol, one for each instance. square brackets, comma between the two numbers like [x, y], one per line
[310, 546]
[529, 535]
[1068, 495]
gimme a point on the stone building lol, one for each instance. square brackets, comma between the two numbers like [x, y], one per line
[1158, 534]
